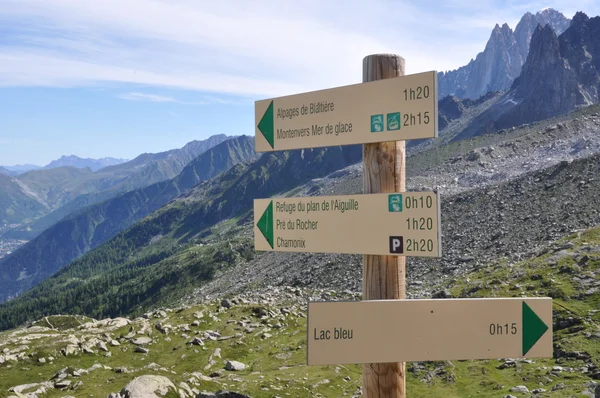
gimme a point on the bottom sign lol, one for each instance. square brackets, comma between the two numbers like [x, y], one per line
[428, 330]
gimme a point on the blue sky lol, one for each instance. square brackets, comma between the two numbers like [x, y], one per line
[119, 78]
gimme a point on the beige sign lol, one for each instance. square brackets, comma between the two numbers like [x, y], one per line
[428, 330]
[396, 109]
[406, 224]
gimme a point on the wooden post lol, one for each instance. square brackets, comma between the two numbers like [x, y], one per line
[384, 277]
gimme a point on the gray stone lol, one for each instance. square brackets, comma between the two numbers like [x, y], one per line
[141, 350]
[522, 389]
[70, 350]
[62, 384]
[226, 303]
[222, 394]
[148, 386]
[142, 340]
[234, 366]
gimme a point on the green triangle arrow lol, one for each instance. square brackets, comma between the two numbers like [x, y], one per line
[265, 224]
[533, 328]
[267, 126]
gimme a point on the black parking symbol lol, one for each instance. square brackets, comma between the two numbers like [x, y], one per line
[396, 244]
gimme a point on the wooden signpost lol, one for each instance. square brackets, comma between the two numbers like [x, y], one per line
[428, 330]
[385, 224]
[404, 223]
[397, 109]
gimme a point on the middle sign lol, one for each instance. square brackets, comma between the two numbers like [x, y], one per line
[396, 109]
[405, 224]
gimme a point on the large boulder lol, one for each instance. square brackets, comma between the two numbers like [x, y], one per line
[148, 386]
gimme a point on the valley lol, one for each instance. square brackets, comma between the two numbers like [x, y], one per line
[141, 278]
[8, 245]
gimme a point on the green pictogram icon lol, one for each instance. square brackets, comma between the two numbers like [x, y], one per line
[265, 224]
[393, 121]
[533, 328]
[395, 203]
[376, 123]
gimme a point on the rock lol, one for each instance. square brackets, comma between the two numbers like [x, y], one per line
[522, 389]
[148, 386]
[142, 340]
[226, 303]
[141, 350]
[559, 386]
[222, 394]
[114, 343]
[441, 294]
[163, 328]
[211, 360]
[42, 360]
[198, 341]
[32, 389]
[70, 350]
[473, 156]
[260, 312]
[102, 346]
[234, 366]
[62, 384]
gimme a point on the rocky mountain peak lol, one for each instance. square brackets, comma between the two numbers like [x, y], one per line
[544, 50]
[579, 18]
[500, 63]
[561, 74]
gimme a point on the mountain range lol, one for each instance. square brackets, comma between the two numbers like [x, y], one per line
[500, 63]
[62, 190]
[562, 73]
[65, 161]
[90, 226]
[20, 168]
[80, 163]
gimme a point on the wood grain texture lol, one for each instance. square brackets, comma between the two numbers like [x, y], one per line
[384, 277]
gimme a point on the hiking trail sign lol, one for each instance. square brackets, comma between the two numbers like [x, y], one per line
[400, 108]
[406, 223]
[382, 331]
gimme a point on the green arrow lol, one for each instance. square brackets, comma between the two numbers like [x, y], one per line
[533, 328]
[265, 224]
[267, 126]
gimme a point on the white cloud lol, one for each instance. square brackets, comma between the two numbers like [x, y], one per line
[146, 97]
[253, 49]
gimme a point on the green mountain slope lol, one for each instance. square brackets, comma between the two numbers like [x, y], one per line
[266, 331]
[57, 185]
[16, 204]
[64, 190]
[93, 225]
[142, 171]
[157, 258]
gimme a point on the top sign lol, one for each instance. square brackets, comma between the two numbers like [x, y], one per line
[396, 109]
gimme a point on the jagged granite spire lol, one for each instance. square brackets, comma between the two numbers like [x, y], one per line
[500, 63]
